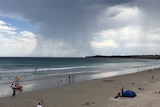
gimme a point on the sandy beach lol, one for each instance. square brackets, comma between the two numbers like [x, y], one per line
[95, 93]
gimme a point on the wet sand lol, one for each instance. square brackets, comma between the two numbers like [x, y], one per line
[95, 93]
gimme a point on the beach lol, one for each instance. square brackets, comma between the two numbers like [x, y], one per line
[95, 93]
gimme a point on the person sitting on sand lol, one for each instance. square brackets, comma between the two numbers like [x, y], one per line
[127, 93]
[120, 94]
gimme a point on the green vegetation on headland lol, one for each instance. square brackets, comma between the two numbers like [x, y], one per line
[127, 56]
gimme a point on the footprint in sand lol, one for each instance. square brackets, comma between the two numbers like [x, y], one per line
[88, 103]
[108, 80]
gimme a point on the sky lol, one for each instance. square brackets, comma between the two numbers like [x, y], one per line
[78, 28]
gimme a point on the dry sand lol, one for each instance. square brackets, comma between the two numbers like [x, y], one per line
[95, 93]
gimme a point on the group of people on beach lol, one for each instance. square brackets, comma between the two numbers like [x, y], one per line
[17, 79]
[16, 82]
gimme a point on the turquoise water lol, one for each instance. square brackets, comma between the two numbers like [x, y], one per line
[40, 73]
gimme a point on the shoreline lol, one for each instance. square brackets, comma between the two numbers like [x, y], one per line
[45, 82]
[95, 93]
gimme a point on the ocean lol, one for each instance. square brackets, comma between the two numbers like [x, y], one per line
[31, 69]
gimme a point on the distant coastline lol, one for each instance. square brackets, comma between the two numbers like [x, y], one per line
[96, 56]
[127, 56]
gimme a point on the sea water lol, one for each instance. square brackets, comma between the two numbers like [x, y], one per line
[46, 72]
[31, 68]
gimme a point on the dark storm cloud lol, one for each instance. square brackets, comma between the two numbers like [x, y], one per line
[74, 21]
[150, 11]
[70, 21]
[60, 17]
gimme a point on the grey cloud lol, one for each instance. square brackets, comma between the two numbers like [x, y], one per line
[59, 18]
[69, 21]
[150, 11]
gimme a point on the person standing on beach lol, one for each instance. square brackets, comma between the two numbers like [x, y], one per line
[35, 70]
[17, 80]
[14, 92]
[69, 77]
